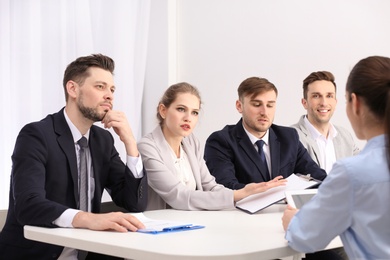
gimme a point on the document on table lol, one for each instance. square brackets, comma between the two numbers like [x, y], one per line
[257, 202]
[153, 226]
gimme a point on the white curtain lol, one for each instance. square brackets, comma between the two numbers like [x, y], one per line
[39, 38]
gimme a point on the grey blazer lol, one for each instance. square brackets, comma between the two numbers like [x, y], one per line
[344, 144]
[166, 191]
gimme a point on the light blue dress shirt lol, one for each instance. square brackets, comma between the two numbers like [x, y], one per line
[352, 202]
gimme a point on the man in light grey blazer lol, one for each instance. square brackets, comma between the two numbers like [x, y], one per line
[324, 141]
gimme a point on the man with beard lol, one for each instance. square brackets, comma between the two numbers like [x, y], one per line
[47, 171]
[325, 142]
[235, 155]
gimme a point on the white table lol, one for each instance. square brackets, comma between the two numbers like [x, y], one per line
[227, 235]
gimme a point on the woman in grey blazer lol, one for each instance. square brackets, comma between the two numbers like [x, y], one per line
[173, 159]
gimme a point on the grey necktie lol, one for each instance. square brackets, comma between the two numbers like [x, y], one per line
[83, 174]
[260, 144]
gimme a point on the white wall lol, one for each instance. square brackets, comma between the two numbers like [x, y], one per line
[39, 38]
[219, 43]
[157, 64]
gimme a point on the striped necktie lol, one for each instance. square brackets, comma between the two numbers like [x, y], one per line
[83, 174]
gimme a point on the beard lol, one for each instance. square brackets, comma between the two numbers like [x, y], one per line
[89, 113]
[259, 129]
[254, 125]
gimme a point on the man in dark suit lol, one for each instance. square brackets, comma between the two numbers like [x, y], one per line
[45, 178]
[232, 154]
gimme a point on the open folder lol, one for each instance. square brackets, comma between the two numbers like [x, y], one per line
[257, 202]
[153, 226]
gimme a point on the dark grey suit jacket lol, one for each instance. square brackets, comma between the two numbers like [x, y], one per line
[44, 183]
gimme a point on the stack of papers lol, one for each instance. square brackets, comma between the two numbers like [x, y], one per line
[257, 202]
[153, 226]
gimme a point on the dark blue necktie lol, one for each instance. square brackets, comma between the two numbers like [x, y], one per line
[260, 150]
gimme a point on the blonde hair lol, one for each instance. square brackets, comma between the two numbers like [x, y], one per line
[171, 93]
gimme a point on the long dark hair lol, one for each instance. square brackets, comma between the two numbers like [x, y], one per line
[370, 80]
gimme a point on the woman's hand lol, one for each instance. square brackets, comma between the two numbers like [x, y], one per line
[289, 213]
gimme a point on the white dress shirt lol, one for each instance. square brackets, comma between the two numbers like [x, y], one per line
[266, 147]
[325, 144]
[183, 169]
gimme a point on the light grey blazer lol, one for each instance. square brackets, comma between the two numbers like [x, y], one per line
[344, 144]
[166, 191]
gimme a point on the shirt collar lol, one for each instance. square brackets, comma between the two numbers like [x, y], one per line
[73, 129]
[315, 133]
[254, 139]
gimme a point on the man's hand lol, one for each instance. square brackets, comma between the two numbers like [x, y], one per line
[117, 221]
[288, 214]
[118, 121]
[254, 188]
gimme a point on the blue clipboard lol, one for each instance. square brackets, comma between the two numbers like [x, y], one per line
[178, 228]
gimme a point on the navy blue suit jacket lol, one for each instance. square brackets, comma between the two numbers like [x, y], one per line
[233, 160]
[44, 183]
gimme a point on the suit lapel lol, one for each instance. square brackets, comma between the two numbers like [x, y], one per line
[249, 149]
[165, 153]
[97, 155]
[338, 146]
[65, 141]
[312, 144]
[274, 147]
[164, 149]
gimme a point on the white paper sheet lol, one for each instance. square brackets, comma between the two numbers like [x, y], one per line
[254, 203]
